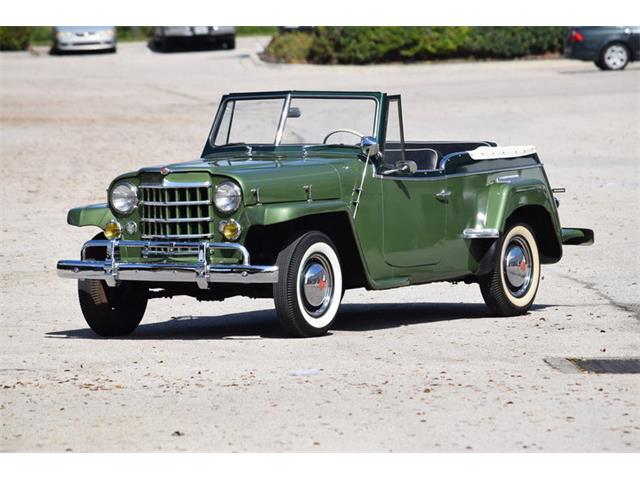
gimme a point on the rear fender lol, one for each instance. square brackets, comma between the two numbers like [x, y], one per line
[530, 200]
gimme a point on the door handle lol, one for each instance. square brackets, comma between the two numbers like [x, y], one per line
[443, 195]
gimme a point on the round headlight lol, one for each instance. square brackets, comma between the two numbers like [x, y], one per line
[124, 198]
[227, 198]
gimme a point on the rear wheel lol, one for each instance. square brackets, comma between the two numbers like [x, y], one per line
[309, 289]
[614, 57]
[512, 285]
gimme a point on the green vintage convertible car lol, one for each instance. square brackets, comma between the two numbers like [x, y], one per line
[299, 195]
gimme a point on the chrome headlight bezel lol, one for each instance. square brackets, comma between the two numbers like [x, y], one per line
[126, 191]
[227, 197]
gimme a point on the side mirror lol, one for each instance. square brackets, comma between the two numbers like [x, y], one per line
[406, 166]
[369, 146]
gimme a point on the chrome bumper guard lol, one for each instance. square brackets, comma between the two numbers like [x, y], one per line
[112, 270]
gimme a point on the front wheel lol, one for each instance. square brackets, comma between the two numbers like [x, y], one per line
[112, 311]
[309, 289]
[512, 285]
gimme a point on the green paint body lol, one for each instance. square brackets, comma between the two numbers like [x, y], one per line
[404, 234]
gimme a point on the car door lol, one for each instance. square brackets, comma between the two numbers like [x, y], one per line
[414, 216]
[413, 205]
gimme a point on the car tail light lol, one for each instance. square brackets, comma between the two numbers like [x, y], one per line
[576, 36]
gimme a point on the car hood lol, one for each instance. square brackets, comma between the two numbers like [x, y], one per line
[274, 178]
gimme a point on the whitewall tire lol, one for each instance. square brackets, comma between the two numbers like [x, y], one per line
[511, 287]
[309, 289]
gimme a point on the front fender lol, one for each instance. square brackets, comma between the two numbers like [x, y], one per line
[283, 212]
[97, 215]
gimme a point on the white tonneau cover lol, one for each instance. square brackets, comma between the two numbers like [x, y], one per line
[488, 153]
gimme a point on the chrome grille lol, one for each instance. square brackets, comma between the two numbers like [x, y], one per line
[175, 213]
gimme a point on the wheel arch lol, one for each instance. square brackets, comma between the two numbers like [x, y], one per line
[542, 224]
[265, 241]
[611, 41]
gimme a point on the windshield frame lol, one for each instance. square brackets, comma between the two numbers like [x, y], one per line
[287, 97]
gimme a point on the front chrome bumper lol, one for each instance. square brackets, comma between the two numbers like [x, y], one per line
[112, 270]
[71, 46]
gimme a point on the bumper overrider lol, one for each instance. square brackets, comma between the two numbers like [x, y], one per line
[201, 272]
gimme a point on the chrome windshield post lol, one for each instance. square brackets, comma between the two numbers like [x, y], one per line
[283, 119]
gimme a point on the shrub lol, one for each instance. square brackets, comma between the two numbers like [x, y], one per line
[40, 35]
[290, 47]
[384, 44]
[511, 42]
[14, 38]
[133, 33]
[361, 45]
[256, 30]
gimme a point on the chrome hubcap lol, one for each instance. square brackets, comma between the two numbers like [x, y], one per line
[316, 285]
[615, 57]
[517, 266]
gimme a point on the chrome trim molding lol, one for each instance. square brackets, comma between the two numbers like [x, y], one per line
[507, 178]
[169, 237]
[440, 175]
[175, 204]
[470, 233]
[176, 220]
[112, 270]
[169, 184]
[489, 153]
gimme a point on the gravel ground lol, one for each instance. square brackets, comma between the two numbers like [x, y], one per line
[416, 369]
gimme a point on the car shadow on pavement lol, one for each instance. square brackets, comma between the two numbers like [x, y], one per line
[354, 317]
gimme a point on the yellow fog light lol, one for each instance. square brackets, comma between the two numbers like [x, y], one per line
[230, 229]
[112, 230]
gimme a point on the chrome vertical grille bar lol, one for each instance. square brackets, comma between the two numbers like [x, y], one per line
[173, 211]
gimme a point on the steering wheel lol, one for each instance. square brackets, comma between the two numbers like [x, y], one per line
[342, 130]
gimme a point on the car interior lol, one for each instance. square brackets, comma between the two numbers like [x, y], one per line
[426, 155]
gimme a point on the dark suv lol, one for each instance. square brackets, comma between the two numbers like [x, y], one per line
[610, 48]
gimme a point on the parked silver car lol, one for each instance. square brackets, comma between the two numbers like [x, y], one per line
[79, 39]
[166, 38]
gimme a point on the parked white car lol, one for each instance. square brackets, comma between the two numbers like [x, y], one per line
[78, 39]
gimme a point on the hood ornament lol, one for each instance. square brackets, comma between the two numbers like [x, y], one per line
[165, 171]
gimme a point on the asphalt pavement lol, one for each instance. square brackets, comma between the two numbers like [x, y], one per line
[422, 368]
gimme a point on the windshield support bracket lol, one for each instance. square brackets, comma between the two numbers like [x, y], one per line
[283, 120]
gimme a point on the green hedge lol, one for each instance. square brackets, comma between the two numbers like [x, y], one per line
[512, 42]
[361, 45]
[241, 31]
[15, 38]
[289, 48]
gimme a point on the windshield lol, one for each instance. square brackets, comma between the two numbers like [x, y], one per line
[309, 120]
